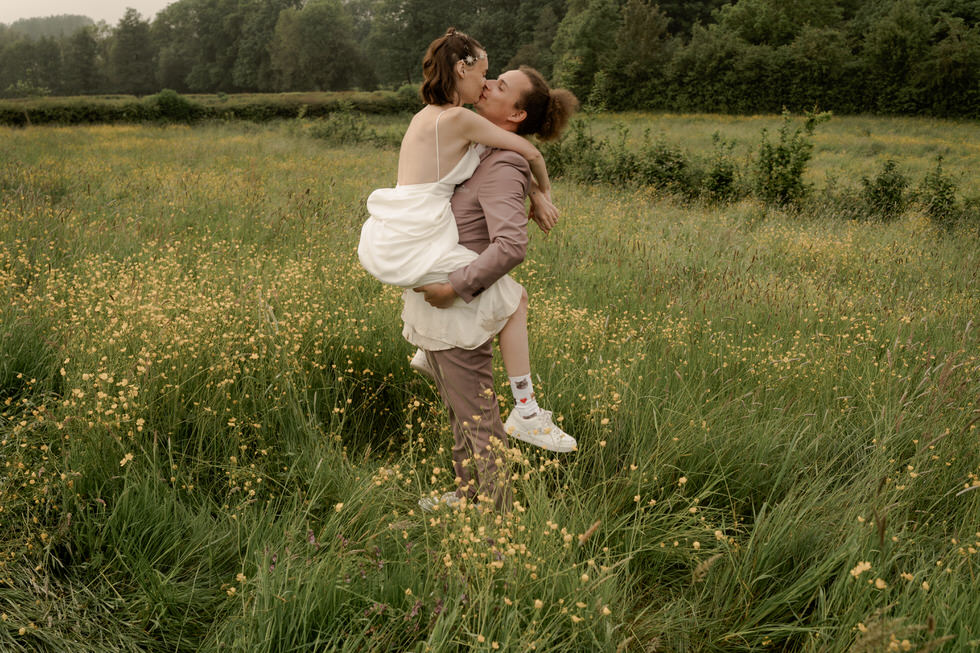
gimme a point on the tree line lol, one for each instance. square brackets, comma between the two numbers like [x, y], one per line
[850, 56]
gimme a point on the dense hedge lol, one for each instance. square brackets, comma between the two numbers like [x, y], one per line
[172, 107]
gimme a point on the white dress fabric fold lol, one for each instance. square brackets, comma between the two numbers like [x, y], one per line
[410, 239]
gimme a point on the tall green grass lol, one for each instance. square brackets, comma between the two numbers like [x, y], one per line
[211, 438]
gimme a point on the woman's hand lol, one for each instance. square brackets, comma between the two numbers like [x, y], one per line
[543, 212]
[440, 295]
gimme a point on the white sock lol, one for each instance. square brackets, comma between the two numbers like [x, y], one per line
[523, 391]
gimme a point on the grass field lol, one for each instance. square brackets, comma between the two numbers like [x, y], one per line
[210, 438]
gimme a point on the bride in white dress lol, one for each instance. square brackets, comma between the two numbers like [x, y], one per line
[410, 239]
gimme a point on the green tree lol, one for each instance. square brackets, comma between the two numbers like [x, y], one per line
[777, 22]
[703, 73]
[199, 44]
[17, 66]
[636, 69]
[493, 25]
[819, 68]
[968, 10]
[132, 57]
[892, 47]
[82, 69]
[31, 67]
[174, 34]
[312, 49]
[536, 51]
[947, 78]
[402, 30]
[253, 64]
[685, 14]
[218, 27]
[47, 64]
[584, 38]
[362, 15]
[50, 26]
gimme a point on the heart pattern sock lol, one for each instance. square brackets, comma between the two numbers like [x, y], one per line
[523, 391]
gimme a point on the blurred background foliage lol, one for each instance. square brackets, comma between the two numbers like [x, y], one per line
[880, 56]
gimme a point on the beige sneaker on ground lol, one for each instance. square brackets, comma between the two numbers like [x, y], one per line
[429, 504]
[421, 364]
[540, 431]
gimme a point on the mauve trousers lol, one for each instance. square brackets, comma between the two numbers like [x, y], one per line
[465, 381]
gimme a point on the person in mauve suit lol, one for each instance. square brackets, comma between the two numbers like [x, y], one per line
[491, 220]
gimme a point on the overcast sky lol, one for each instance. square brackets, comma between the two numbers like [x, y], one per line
[108, 10]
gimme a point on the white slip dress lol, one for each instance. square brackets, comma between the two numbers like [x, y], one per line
[410, 239]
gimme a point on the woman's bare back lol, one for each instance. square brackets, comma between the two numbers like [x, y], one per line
[417, 163]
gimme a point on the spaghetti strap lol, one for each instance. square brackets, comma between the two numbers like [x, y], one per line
[438, 172]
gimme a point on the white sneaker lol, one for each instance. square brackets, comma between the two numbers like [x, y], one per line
[429, 504]
[540, 431]
[421, 364]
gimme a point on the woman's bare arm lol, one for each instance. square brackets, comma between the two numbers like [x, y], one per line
[478, 129]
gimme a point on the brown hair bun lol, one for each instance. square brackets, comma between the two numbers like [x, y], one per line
[548, 110]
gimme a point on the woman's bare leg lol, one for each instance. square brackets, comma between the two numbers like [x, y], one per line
[528, 421]
[517, 360]
[513, 341]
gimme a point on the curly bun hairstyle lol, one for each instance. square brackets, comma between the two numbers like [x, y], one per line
[438, 80]
[548, 109]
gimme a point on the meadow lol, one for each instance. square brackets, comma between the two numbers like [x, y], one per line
[210, 437]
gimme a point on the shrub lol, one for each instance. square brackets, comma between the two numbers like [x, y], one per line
[598, 99]
[576, 154]
[779, 168]
[938, 196]
[346, 127]
[409, 95]
[22, 88]
[884, 196]
[720, 181]
[257, 107]
[971, 211]
[615, 163]
[173, 107]
[837, 200]
[583, 157]
[665, 167]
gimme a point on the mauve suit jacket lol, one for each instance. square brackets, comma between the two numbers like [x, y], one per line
[492, 221]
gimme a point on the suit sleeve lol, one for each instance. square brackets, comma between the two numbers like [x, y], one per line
[501, 196]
